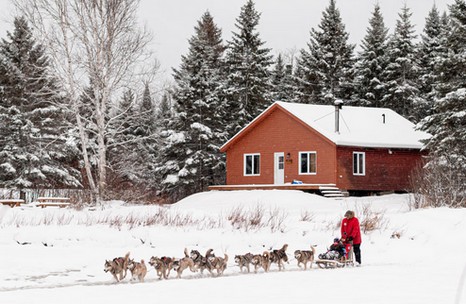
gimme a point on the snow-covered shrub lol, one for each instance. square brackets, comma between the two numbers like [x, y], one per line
[306, 216]
[246, 219]
[370, 220]
[256, 218]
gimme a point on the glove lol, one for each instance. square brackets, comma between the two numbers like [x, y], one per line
[350, 238]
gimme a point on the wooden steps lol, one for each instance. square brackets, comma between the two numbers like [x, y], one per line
[332, 192]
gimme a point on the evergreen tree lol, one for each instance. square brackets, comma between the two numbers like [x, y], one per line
[402, 72]
[432, 51]
[165, 111]
[146, 115]
[134, 147]
[454, 66]
[147, 141]
[372, 61]
[248, 63]
[447, 123]
[123, 149]
[282, 85]
[35, 150]
[190, 160]
[325, 70]
[441, 67]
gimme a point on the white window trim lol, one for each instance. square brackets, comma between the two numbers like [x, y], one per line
[244, 163]
[363, 163]
[299, 162]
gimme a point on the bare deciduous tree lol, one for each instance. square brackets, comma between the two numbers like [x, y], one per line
[438, 184]
[98, 41]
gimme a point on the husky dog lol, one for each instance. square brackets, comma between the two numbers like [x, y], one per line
[162, 265]
[261, 260]
[179, 265]
[200, 261]
[217, 263]
[117, 267]
[138, 270]
[305, 256]
[244, 261]
[279, 256]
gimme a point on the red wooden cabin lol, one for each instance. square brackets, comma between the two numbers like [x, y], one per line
[357, 149]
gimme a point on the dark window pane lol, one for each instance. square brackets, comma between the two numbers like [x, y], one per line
[248, 164]
[256, 164]
[304, 163]
[361, 164]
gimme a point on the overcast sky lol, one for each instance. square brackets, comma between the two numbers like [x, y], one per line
[284, 24]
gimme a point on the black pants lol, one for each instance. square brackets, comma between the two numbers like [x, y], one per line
[357, 252]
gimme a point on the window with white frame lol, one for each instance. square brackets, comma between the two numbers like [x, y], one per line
[252, 164]
[359, 163]
[308, 162]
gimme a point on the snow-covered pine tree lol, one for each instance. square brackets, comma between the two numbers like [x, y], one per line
[282, 85]
[165, 112]
[402, 73]
[442, 86]
[146, 116]
[190, 158]
[447, 123]
[371, 63]
[432, 51]
[248, 64]
[325, 70]
[122, 146]
[147, 141]
[35, 150]
[454, 65]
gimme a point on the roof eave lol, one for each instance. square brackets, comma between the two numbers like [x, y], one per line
[381, 146]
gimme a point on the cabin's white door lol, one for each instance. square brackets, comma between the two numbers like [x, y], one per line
[279, 168]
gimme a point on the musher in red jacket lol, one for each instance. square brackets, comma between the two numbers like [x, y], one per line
[351, 233]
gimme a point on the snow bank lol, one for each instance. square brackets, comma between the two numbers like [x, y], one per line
[56, 255]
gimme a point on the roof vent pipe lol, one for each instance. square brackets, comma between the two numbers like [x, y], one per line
[338, 105]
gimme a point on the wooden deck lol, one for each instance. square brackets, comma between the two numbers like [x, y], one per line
[305, 187]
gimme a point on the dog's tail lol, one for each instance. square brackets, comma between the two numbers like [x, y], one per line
[209, 253]
[313, 249]
[226, 257]
[285, 247]
[186, 253]
[126, 261]
[142, 261]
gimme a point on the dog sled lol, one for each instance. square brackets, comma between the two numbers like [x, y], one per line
[328, 260]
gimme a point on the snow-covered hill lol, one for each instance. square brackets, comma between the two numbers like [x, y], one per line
[57, 255]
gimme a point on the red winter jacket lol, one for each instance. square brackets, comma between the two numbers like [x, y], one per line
[350, 228]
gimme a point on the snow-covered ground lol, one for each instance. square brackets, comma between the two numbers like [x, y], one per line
[56, 255]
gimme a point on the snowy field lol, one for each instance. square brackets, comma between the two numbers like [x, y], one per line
[56, 255]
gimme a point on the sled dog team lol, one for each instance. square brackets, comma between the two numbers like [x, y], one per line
[195, 261]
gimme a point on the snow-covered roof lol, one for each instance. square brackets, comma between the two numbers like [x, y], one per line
[358, 126]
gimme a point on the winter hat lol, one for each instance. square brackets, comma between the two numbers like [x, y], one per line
[336, 240]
